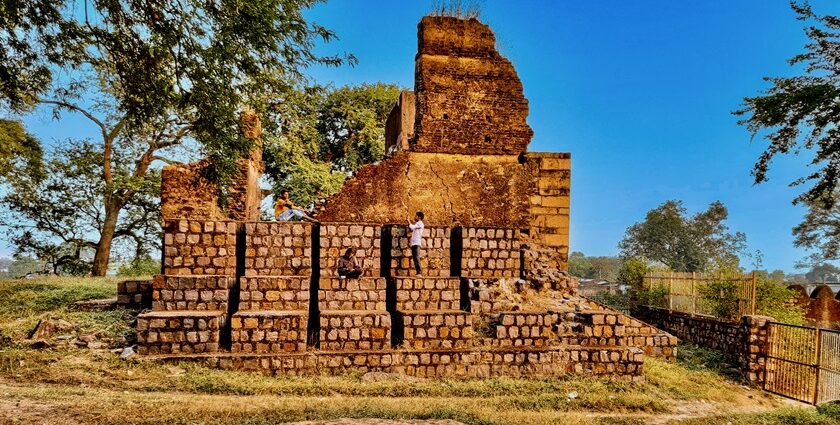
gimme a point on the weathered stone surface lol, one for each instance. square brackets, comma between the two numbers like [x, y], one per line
[473, 190]
[268, 331]
[134, 294]
[469, 98]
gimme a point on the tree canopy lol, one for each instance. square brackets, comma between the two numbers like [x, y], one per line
[148, 75]
[686, 244]
[317, 135]
[800, 114]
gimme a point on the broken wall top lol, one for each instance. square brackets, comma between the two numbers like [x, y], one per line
[469, 99]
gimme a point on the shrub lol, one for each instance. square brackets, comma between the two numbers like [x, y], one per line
[143, 266]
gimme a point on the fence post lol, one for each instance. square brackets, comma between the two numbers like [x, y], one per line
[817, 361]
[693, 294]
[752, 298]
[671, 291]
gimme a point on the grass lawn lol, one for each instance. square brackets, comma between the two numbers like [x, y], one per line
[67, 384]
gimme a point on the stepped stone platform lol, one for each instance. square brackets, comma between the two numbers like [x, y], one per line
[164, 332]
[268, 331]
[494, 298]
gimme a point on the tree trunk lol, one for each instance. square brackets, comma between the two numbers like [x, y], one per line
[103, 248]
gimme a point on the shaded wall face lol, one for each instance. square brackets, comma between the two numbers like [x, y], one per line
[469, 97]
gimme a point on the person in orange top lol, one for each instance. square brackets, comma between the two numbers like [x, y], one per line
[285, 209]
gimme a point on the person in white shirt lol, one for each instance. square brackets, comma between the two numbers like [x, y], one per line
[416, 240]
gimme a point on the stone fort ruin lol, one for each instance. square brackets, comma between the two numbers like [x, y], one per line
[494, 300]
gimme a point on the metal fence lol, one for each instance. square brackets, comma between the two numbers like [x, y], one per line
[683, 291]
[803, 363]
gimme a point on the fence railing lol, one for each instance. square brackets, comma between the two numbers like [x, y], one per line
[803, 363]
[684, 291]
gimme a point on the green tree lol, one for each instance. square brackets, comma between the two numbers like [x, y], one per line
[800, 115]
[822, 273]
[579, 265]
[19, 150]
[632, 272]
[58, 217]
[686, 244]
[820, 229]
[317, 135]
[151, 74]
[23, 265]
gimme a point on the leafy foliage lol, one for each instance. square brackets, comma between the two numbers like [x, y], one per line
[721, 298]
[140, 266]
[317, 135]
[18, 150]
[632, 272]
[822, 273]
[820, 229]
[149, 75]
[57, 218]
[772, 298]
[682, 243]
[601, 267]
[801, 113]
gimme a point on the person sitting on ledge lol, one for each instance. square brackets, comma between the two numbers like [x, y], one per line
[348, 266]
[285, 209]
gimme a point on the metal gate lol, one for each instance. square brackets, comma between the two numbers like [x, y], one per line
[803, 363]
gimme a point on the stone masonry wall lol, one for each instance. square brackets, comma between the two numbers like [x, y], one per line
[282, 248]
[469, 98]
[162, 332]
[620, 363]
[434, 251]
[746, 340]
[181, 292]
[490, 252]
[274, 293]
[549, 202]
[199, 247]
[134, 294]
[335, 238]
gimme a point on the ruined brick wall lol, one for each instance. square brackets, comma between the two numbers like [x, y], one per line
[186, 192]
[199, 247]
[191, 292]
[335, 238]
[469, 98]
[549, 203]
[435, 259]
[472, 190]
[399, 127]
[282, 248]
[134, 294]
[490, 252]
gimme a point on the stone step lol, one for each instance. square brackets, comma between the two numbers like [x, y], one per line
[172, 332]
[428, 293]
[367, 293]
[190, 292]
[433, 329]
[520, 329]
[355, 330]
[274, 293]
[268, 331]
[366, 238]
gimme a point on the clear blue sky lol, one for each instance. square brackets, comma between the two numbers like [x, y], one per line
[640, 92]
